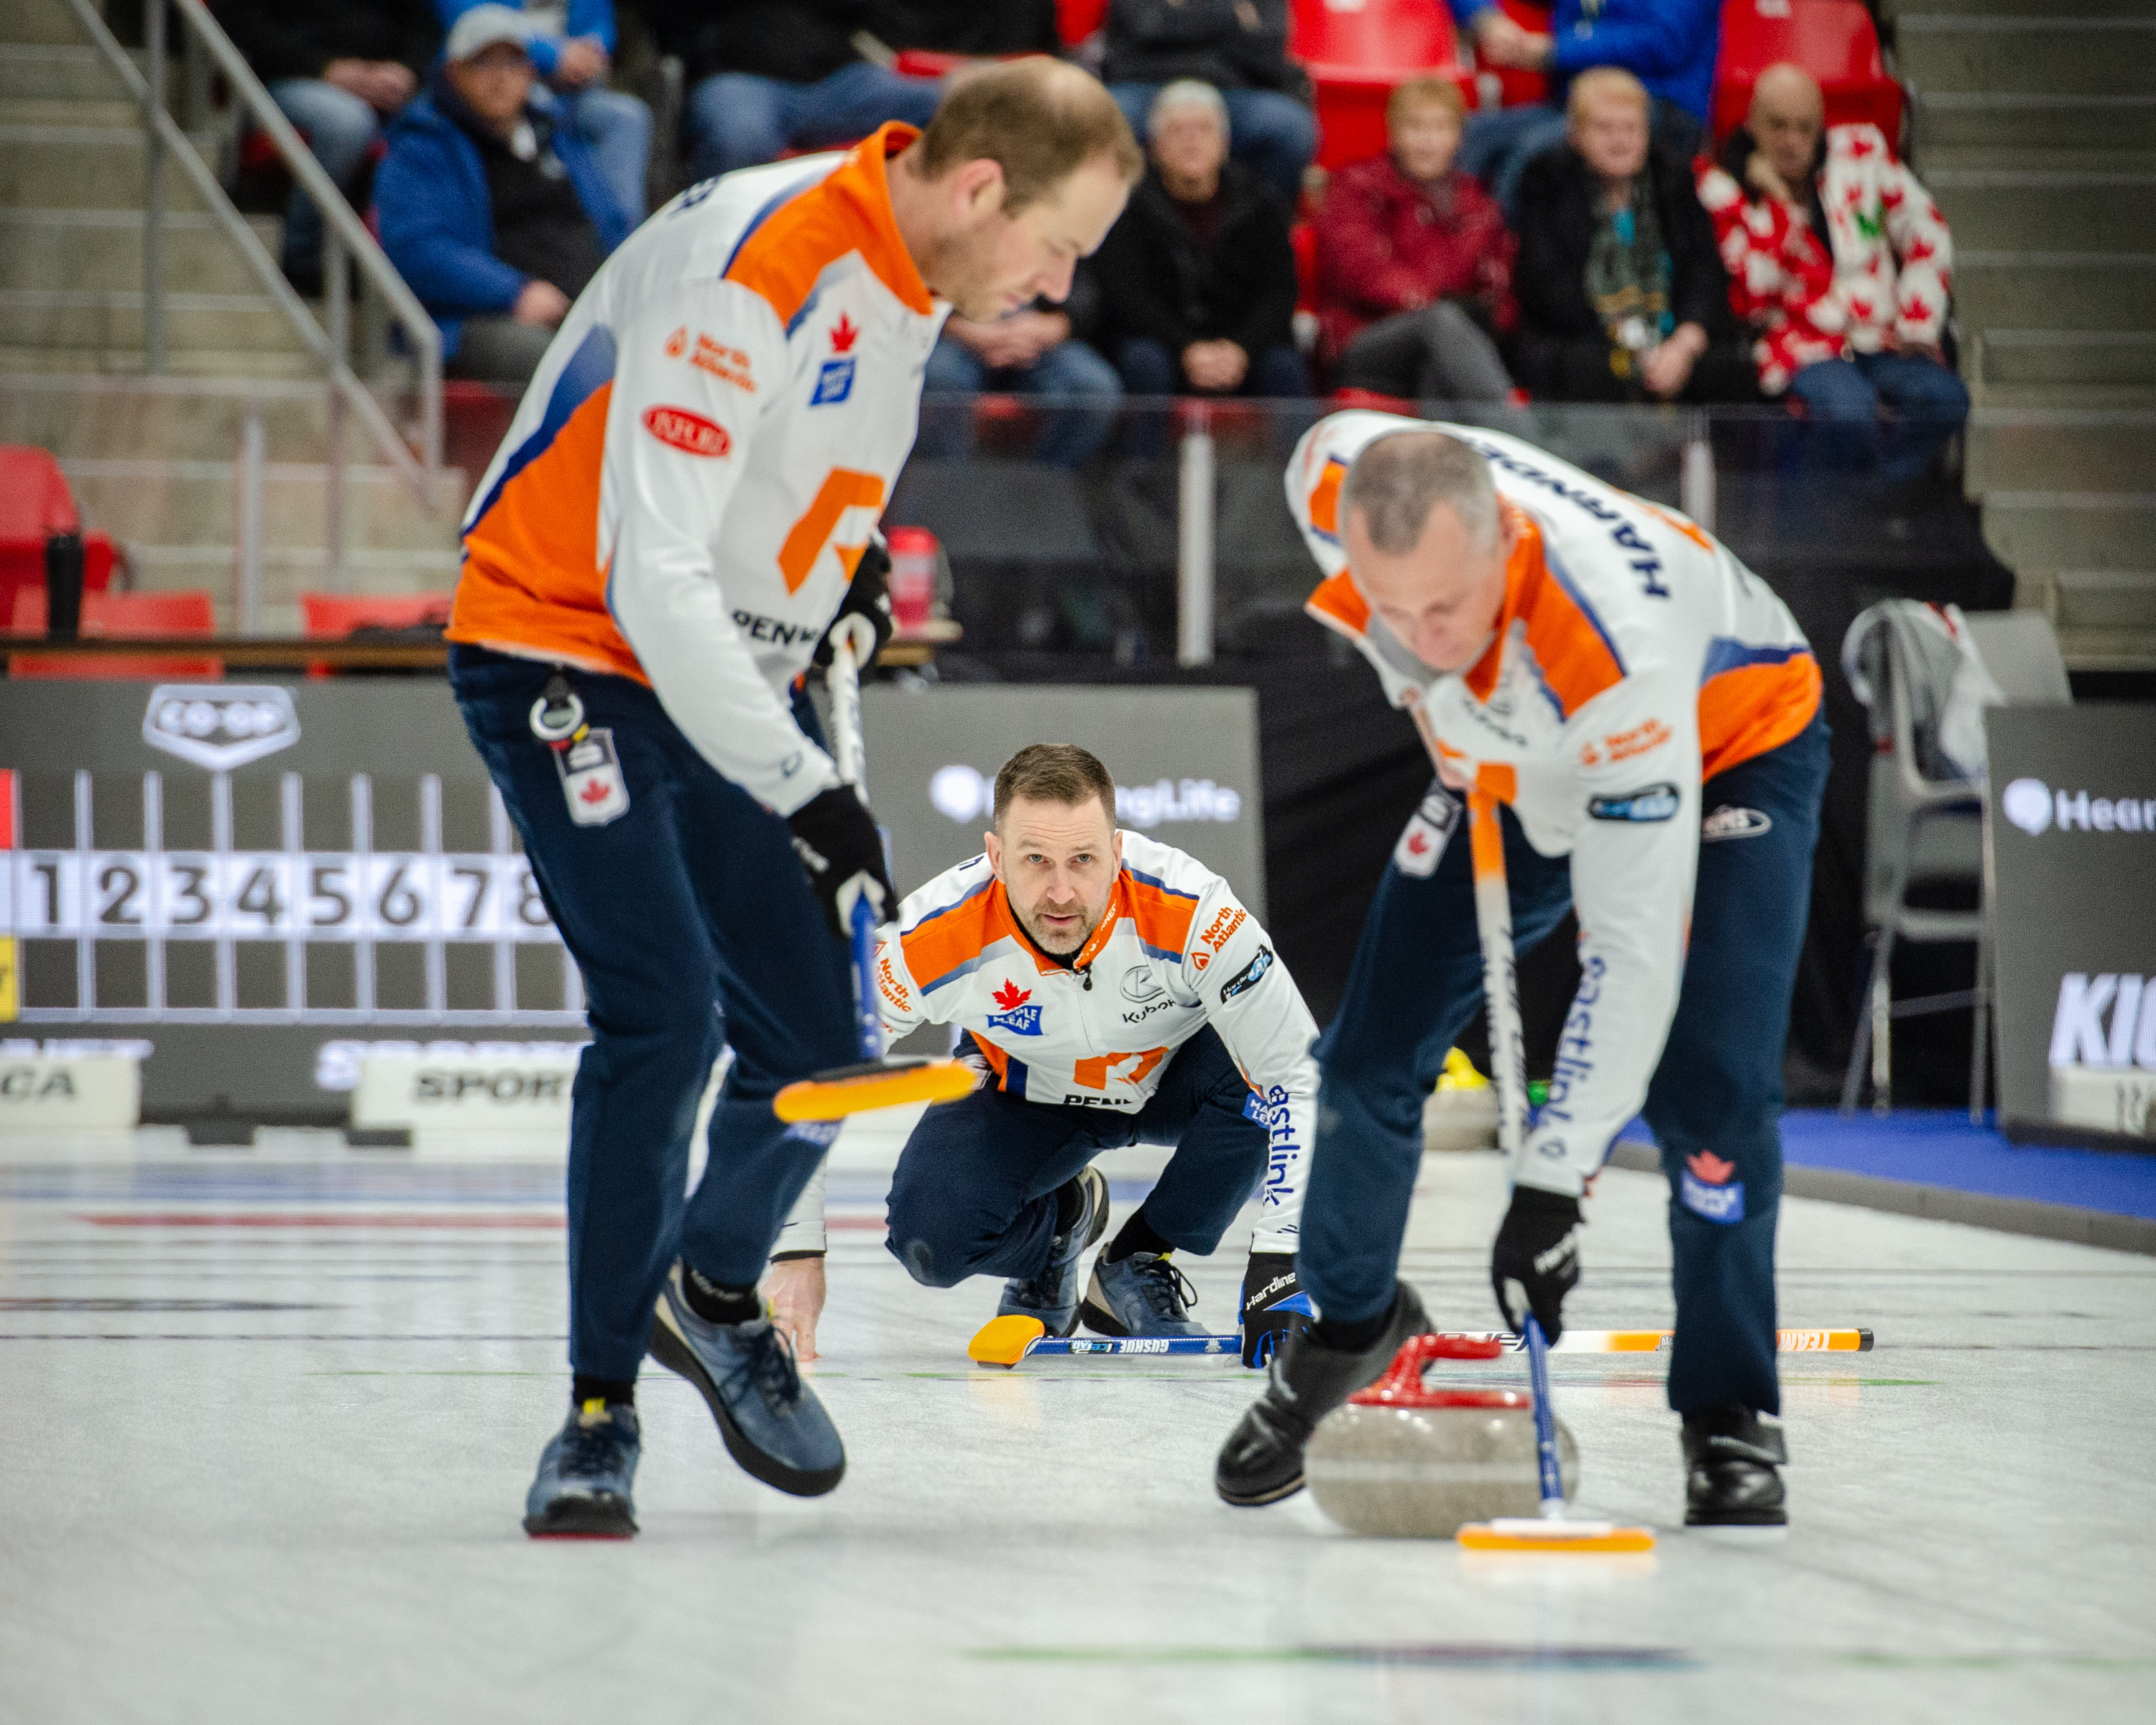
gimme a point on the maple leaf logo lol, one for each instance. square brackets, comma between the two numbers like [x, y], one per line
[1710, 1168]
[1417, 844]
[844, 334]
[595, 792]
[1010, 997]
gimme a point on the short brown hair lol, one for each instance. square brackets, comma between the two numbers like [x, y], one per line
[1426, 93]
[1597, 82]
[1039, 120]
[1053, 773]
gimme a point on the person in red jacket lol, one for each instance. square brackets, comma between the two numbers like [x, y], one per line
[1414, 263]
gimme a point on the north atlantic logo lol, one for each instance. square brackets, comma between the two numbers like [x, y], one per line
[1247, 977]
[1657, 802]
[1706, 1190]
[1016, 1017]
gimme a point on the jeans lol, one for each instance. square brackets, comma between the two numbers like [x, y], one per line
[690, 921]
[1275, 134]
[1418, 979]
[340, 130]
[1842, 398]
[974, 1192]
[1276, 373]
[1071, 435]
[617, 129]
[1439, 353]
[737, 120]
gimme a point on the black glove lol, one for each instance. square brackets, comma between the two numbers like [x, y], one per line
[841, 852]
[1536, 1260]
[868, 597]
[1274, 1304]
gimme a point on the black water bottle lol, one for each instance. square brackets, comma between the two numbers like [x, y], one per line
[64, 587]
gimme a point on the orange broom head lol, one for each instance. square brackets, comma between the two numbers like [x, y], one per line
[855, 1090]
[1530, 1533]
[1004, 1341]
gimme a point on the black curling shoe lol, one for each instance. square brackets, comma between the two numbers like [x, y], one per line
[1731, 1455]
[1261, 1462]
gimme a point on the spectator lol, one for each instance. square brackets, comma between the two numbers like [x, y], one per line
[1415, 265]
[339, 74]
[1240, 48]
[966, 26]
[494, 212]
[1622, 295]
[573, 48]
[765, 76]
[1841, 263]
[1030, 353]
[1197, 277]
[1669, 46]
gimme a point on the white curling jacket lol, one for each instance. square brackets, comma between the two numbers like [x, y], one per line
[1634, 658]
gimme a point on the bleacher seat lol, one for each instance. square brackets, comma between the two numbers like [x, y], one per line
[187, 611]
[335, 616]
[1077, 19]
[1356, 52]
[1523, 90]
[35, 504]
[1834, 40]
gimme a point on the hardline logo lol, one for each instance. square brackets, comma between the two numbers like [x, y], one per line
[2035, 807]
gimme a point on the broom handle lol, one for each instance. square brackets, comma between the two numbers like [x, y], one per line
[1545, 1421]
[1501, 982]
[853, 639]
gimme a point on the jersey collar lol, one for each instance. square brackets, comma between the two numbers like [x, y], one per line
[1523, 577]
[865, 181]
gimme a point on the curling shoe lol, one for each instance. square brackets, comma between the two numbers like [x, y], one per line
[772, 1422]
[585, 1473]
[1052, 1295]
[1143, 1295]
[1732, 1458]
[1261, 1462]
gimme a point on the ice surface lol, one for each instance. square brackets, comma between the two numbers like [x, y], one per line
[270, 1468]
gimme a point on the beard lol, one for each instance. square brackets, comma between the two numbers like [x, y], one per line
[1048, 940]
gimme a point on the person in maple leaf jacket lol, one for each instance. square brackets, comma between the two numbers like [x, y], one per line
[1842, 264]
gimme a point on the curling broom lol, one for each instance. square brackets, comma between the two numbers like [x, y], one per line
[878, 1081]
[1493, 915]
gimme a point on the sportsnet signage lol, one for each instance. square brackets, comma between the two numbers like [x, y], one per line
[2072, 836]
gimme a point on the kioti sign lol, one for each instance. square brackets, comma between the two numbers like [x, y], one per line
[2072, 854]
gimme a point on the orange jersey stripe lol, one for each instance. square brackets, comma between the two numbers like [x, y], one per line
[949, 944]
[1339, 602]
[1579, 661]
[1325, 498]
[531, 576]
[848, 211]
[1162, 915]
[1745, 711]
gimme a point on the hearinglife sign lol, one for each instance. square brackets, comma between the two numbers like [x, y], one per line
[2071, 851]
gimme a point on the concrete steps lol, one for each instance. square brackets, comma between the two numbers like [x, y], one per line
[2046, 209]
[100, 250]
[2066, 49]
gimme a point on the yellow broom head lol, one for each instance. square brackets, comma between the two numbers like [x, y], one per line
[874, 1084]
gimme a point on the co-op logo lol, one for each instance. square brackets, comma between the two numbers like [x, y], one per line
[220, 726]
[2035, 807]
[965, 793]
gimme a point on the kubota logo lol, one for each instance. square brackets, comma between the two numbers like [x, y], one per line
[691, 434]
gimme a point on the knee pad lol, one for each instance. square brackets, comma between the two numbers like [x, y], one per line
[918, 1255]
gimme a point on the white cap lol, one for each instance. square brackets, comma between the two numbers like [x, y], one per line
[482, 27]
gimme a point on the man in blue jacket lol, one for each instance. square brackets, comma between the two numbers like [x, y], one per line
[1669, 46]
[495, 211]
[573, 48]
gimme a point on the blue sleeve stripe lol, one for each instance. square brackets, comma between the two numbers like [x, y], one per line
[1159, 885]
[1162, 953]
[953, 975]
[1724, 652]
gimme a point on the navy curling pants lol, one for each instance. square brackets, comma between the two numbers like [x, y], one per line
[974, 1190]
[693, 925]
[1714, 1099]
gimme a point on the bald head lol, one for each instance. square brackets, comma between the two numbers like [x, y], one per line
[1787, 116]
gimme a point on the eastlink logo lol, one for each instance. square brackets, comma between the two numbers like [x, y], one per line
[2080, 1037]
[2035, 807]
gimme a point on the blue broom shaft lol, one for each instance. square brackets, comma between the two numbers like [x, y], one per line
[1138, 1344]
[868, 1022]
[1545, 1418]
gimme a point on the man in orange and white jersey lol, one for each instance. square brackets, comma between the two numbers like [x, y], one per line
[1648, 712]
[684, 499]
[1110, 990]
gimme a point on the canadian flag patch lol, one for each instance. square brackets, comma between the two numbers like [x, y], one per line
[591, 779]
[1422, 841]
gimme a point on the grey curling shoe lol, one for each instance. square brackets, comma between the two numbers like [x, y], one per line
[772, 1422]
[585, 1474]
[1143, 1295]
[1052, 1295]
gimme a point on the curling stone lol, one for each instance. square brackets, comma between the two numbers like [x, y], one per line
[1404, 1459]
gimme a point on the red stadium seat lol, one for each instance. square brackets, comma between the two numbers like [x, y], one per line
[334, 616]
[1356, 52]
[931, 62]
[1834, 40]
[1304, 238]
[186, 612]
[1523, 90]
[35, 504]
[1077, 19]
